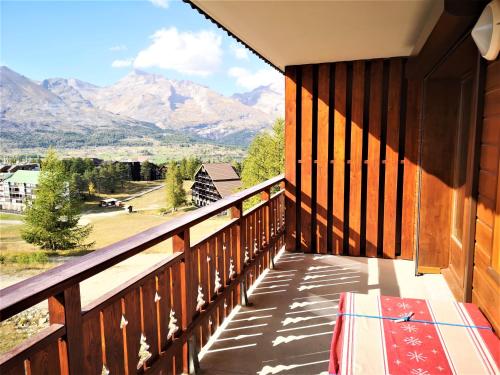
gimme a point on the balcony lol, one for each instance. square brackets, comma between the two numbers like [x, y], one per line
[155, 321]
[235, 299]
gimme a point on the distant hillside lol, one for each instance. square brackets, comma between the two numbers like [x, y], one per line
[138, 108]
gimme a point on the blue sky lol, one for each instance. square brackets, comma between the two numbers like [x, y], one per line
[101, 41]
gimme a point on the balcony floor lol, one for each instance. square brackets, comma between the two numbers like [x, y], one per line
[288, 328]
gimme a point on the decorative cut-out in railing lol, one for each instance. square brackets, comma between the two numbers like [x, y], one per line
[172, 325]
[157, 297]
[105, 370]
[144, 353]
[123, 322]
[200, 302]
[255, 247]
[218, 285]
[247, 256]
[232, 272]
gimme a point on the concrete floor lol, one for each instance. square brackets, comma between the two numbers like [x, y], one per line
[289, 326]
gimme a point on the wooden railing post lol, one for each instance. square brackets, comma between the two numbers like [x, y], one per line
[266, 196]
[65, 308]
[237, 213]
[181, 243]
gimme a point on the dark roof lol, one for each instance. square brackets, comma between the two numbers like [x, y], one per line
[221, 171]
[226, 188]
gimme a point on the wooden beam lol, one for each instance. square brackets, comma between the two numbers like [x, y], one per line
[339, 157]
[290, 158]
[306, 159]
[322, 159]
[356, 165]
[373, 169]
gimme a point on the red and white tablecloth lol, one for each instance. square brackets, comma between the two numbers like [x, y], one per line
[365, 343]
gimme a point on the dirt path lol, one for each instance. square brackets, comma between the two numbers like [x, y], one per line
[10, 222]
[101, 283]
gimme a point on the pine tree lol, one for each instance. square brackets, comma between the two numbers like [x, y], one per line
[52, 218]
[176, 195]
[183, 169]
[266, 156]
[193, 163]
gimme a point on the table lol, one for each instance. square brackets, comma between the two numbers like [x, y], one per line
[376, 335]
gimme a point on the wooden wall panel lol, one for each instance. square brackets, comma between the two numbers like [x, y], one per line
[306, 159]
[486, 272]
[322, 159]
[356, 157]
[339, 157]
[408, 219]
[373, 170]
[341, 153]
[290, 157]
[391, 158]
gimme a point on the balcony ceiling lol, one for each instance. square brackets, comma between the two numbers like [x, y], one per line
[301, 32]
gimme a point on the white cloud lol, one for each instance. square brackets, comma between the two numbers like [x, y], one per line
[160, 3]
[118, 48]
[122, 63]
[195, 53]
[240, 52]
[262, 77]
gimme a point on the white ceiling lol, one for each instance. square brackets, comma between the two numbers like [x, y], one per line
[288, 32]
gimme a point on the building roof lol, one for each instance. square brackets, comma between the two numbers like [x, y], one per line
[4, 176]
[221, 171]
[24, 177]
[287, 33]
[226, 188]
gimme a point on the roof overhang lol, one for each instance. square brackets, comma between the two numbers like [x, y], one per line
[286, 32]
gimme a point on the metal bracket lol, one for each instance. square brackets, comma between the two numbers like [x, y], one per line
[194, 363]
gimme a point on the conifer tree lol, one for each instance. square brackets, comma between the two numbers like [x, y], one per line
[176, 195]
[52, 218]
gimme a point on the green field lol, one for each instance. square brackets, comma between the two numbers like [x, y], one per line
[156, 153]
[109, 226]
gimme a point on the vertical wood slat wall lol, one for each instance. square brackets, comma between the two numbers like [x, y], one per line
[486, 272]
[350, 186]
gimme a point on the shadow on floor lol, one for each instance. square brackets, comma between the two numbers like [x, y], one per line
[288, 328]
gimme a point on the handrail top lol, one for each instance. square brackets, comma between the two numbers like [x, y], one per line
[33, 290]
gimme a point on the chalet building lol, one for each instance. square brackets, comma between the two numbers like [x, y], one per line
[16, 188]
[376, 252]
[214, 181]
[11, 168]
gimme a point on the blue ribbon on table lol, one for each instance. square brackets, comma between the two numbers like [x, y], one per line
[408, 318]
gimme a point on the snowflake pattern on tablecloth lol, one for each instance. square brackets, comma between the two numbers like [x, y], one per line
[413, 341]
[411, 346]
[411, 328]
[419, 371]
[440, 368]
[416, 356]
[404, 305]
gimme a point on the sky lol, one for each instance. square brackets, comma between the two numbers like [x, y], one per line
[102, 41]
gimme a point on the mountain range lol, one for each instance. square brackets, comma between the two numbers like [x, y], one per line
[141, 106]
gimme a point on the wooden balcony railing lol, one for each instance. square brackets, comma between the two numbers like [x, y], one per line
[154, 322]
